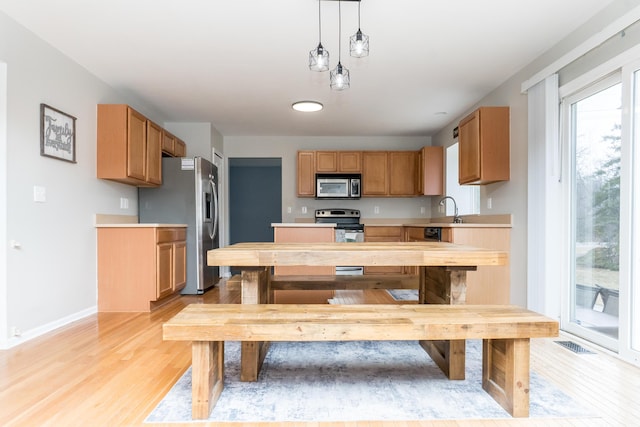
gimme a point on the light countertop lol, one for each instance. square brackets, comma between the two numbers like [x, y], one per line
[137, 225]
[303, 225]
[439, 224]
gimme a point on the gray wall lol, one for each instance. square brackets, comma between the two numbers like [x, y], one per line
[51, 279]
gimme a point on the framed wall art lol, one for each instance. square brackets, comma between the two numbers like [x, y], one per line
[57, 134]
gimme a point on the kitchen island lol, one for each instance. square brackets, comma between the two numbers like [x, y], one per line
[442, 270]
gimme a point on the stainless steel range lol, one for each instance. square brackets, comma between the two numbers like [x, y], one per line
[348, 229]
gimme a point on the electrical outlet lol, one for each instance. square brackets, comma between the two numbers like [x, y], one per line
[124, 203]
[304, 209]
[15, 331]
[423, 209]
[376, 209]
[288, 209]
[489, 203]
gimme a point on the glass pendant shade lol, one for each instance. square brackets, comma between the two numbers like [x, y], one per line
[339, 78]
[359, 44]
[319, 59]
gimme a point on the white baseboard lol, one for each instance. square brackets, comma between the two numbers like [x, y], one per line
[41, 330]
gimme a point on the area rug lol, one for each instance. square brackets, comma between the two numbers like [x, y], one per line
[351, 381]
[404, 294]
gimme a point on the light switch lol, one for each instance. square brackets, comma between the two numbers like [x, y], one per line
[39, 194]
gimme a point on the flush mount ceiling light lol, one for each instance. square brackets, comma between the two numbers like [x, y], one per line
[339, 78]
[307, 106]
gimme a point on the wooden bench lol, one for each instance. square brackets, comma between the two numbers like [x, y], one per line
[505, 331]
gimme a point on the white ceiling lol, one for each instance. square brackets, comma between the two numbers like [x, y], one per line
[241, 64]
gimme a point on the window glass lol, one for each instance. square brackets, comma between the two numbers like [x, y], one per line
[467, 196]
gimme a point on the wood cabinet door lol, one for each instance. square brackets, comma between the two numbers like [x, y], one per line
[374, 173]
[469, 149]
[164, 270]
[136, 145]
[326, 161]
[180, 148]
[306, 174]
[168, 142]
[403, 173]
[179, 265]
[350, 161]
[431, 171]
[384, 234]
[154, 154]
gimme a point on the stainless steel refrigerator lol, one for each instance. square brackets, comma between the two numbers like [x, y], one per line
[188, 195]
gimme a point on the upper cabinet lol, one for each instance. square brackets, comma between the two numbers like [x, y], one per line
[431, 171]
[153, 173]
[484, 146]
[130, 146]
[403, 173]
[384, 173]
[350, 161]
[306, 182]
[338, 161]
[375, 178]
[172, 145]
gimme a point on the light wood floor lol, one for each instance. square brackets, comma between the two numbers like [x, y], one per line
[111, 369]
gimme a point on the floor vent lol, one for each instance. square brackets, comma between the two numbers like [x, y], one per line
[576, 348]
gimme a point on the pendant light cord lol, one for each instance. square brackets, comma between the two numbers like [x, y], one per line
[319, 22]
[340, 30]
[358, 15]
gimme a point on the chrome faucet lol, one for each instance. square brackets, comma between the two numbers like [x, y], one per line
[456, 218]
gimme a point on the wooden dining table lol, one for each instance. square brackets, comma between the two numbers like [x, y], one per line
[442, 269]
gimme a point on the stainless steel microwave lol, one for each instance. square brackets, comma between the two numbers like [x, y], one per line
[338, 186]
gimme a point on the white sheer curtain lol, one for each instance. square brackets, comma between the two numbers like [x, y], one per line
[545, 201]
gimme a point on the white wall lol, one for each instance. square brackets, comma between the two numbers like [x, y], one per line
[511, 197]
[51, 278]
[3, 199]
[287, 147]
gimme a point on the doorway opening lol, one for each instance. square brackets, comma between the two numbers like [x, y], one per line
[255, 199]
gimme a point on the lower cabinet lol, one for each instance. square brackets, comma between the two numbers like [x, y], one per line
[310, 234]
[139, 268]
[374, 233]
[488, 284]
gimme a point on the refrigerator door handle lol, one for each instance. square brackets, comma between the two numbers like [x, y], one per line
[214, 228]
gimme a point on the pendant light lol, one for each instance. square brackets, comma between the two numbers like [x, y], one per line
[359, 43]
[339, 77]
[319, 57]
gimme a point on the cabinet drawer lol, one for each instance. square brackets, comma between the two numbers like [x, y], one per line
[171, 234]
[414, 234]
[377, 232]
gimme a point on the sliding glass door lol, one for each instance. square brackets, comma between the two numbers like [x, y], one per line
[602, 129]
[595, 140]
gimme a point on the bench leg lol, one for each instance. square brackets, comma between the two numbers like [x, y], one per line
[444, 285]
[505, 373]
[252, 356]
[255, 290]
[207, 376]
[448, 355]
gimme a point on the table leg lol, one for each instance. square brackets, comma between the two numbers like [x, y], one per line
[445, 285]
[207, 376]
[255, 290]
[505, 373]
